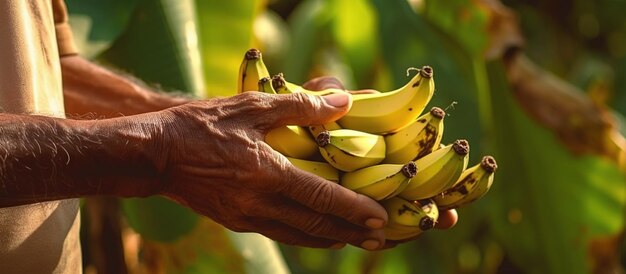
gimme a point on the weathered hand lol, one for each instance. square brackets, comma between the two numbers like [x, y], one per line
[215, 161]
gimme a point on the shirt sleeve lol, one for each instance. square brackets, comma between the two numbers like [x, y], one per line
[65, 38]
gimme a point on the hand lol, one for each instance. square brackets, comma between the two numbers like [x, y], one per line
[214, 160]
[326, 82]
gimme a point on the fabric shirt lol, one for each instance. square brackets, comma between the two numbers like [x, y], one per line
[42, 237]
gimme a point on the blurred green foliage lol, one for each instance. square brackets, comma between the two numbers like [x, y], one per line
[550, 211]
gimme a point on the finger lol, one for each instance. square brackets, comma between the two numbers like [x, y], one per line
[315, 223]
[331, 198]
[303, 109]
[322, 83]
[447, 219]
[288, 235]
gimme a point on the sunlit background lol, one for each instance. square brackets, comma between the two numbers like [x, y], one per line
[541, 85]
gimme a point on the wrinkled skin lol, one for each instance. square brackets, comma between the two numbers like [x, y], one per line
[215, 161]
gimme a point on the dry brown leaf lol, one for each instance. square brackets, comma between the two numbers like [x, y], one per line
[502, 29]
[603, 256]
[583, 126]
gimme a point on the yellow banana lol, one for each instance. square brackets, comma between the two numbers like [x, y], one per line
[265, 85]
[379, 182]
[408, 219]
[349, 150]
[292, 141]
[251, 70]
[438, 171]
[472, 185]
[321, 169]
[416, 140]
[386, 112]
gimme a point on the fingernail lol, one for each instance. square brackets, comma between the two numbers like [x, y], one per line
[370, 244]
[374, 223]
[337, 99]
[338, 246]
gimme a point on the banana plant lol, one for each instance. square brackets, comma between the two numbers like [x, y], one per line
[562, 206]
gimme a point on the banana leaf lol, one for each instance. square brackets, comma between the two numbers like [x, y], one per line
[561, 207]
[171, 60]
[354, 33]
[96, 24]
[225, 33]
[309, 25]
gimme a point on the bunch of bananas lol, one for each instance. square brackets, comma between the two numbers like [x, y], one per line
[384, 148]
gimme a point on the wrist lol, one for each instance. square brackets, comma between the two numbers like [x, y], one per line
[126, 158]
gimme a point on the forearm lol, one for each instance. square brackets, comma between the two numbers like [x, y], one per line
[92, 91]
[44, 158]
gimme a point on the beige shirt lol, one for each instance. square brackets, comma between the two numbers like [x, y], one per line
[43, 237]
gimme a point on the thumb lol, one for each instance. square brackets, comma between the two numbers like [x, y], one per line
[304, 109]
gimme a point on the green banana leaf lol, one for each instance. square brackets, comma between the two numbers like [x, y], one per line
[160, 46]
[96, 24]
[537, 239]
[225, 33]
[462, 20]
[555, 232]
[557, 205]
[309, 25]
[354, 30]
[338, 38]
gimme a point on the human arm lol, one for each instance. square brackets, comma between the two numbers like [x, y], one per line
[90, 90]
[208, 155]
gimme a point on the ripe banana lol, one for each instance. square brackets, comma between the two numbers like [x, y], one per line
[416, 140]
[349, 150]
[438, 171]
[292, 141]
[379, 182]
[473, 184]
[265, 85]
[321, 169]
[408, 219]
[386, 112]
[251, 70]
